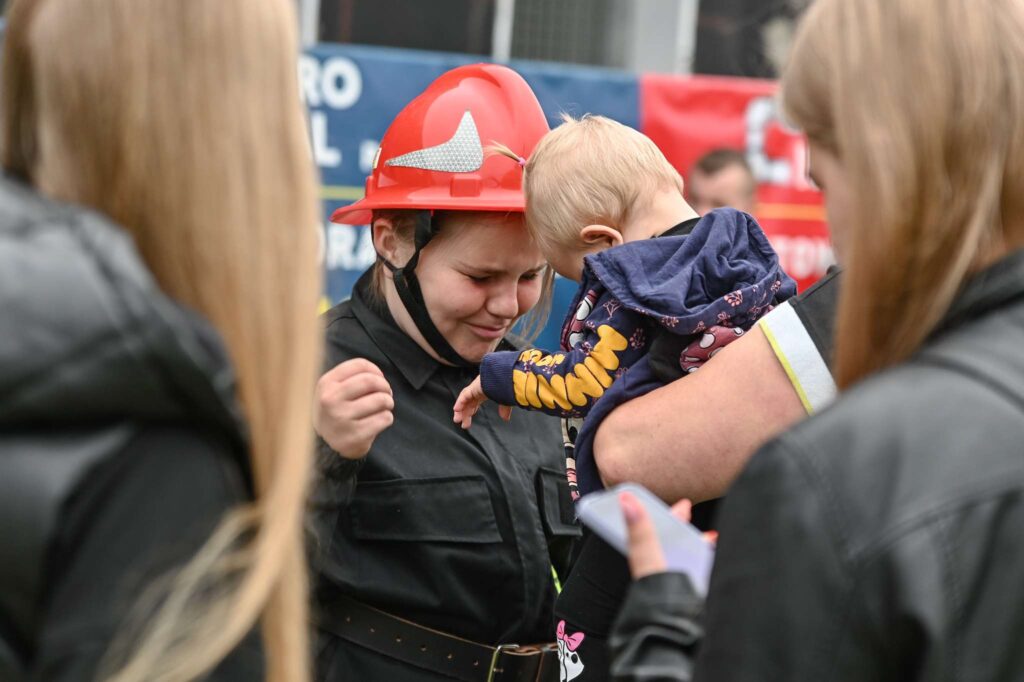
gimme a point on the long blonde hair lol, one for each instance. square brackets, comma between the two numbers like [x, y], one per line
[922, 101]
[181, 120]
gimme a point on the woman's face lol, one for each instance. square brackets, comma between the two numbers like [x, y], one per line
[827, 172]
[478, 276]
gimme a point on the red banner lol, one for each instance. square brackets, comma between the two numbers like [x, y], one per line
[688, 116]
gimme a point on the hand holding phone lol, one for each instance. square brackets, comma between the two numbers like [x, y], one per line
[684, 548]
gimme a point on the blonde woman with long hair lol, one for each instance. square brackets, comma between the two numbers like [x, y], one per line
[155, 381]
[883, 538]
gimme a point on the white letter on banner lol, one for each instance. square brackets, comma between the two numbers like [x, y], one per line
[341, 242]
[341, 82]
[309, 82]
[321, 243]
[349, 248]
[803, 257]
[326, 156]
[367, 253]
[761, 112]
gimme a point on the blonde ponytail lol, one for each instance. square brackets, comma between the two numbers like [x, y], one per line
[181, 121]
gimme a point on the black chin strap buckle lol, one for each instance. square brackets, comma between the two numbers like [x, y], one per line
[408, 287]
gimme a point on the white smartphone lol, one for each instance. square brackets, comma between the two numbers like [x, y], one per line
[685, 548]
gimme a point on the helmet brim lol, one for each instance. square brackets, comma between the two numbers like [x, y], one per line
[430, 198]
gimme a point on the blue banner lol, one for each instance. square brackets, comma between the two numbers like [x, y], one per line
[354, 92]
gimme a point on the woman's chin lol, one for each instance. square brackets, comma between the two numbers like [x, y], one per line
[475, 351]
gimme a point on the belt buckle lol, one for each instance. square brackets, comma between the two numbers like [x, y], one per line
[494, 659]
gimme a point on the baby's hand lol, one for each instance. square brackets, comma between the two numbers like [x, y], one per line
[469, 401]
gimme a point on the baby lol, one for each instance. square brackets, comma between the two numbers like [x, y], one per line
[607, 210]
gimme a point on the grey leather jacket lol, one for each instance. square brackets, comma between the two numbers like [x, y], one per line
[882, 539]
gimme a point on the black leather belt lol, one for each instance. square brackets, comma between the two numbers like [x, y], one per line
[437, 651]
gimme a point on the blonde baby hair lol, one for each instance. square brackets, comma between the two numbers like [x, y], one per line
[590, 171]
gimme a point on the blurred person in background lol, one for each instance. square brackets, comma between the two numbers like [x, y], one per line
[435, 545]
[722, 177]
[155, 380]
[881, 539]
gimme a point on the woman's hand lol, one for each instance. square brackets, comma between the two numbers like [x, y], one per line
[354, 405]
[469, 401]
[645, 555]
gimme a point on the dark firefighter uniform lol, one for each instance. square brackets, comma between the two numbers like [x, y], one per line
[452, 530]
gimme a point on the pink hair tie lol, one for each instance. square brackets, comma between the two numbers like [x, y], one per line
[522, 162]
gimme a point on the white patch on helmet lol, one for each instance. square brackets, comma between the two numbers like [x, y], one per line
[463, 153]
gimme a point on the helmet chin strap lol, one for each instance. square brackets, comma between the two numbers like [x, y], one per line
[408, 287]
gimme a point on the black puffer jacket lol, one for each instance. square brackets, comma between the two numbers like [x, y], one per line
[882, 539]
[121, 444]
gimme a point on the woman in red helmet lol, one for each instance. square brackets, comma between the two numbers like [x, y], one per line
[435, 545]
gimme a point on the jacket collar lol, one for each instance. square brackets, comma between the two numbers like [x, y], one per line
[992, 288]
[405, 354]
[681, 230]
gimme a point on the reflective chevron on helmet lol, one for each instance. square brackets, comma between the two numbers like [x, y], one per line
[463, 153]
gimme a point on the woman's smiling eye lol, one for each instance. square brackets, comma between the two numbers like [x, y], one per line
[489, 277]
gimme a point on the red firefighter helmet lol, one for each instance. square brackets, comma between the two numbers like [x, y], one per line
[433, 154]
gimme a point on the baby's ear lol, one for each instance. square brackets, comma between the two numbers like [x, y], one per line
[601, 235]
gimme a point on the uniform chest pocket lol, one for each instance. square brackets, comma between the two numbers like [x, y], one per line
[456, 509]
[556, 505]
